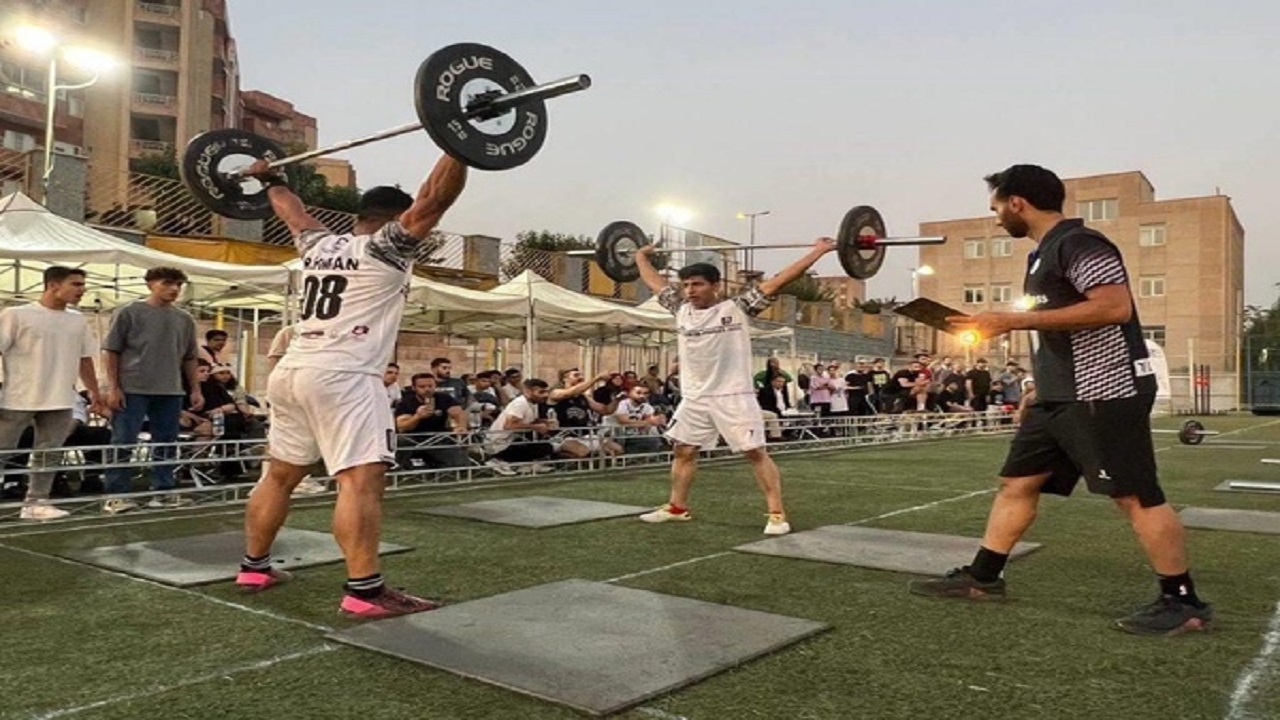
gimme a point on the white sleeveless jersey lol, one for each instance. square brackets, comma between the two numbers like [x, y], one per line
[353, 292]
[715, 343]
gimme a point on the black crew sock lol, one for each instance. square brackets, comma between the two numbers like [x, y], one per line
[1180, 588]
[987, 565]
[367, 587]
[256, 564]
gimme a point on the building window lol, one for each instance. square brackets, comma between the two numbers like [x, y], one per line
[1001, 293]
[1001, 246]
[1108, 209]
[974, 294]
[1154, 333]
[975, 248]
[1151, 235]
[1151, 286]
[19, 141]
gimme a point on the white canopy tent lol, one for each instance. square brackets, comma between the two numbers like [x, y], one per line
[32, 239]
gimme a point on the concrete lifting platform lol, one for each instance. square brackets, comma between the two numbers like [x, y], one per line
[594, 647]
[536, 511]
[1253, 486]
[1253, 521]
[203, 559]
[877, 548]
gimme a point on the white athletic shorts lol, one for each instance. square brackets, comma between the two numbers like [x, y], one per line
[701, 421]
[340, 417]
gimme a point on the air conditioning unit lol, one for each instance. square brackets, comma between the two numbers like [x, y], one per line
[68, 149]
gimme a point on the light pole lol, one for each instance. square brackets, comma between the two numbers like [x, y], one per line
[751, 242]
[42, 42]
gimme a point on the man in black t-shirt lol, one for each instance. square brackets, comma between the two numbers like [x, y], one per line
[910, 387]
[858, 387]
[1095, 387]
[578, 414]
[977, 385]
[881, 389]
[421, 417]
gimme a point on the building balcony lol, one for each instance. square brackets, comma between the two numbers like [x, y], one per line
[155, 57]
[155, 103]
[158, 13]
[139, 148]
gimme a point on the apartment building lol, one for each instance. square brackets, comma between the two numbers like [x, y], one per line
[1185, 258]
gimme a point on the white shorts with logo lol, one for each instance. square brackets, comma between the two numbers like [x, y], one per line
[736, 418]
[340, 417]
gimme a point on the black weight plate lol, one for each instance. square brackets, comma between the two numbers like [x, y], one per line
[203, 172]
[450, 78]
[859, 262]
[612, 250]
[1190, 433]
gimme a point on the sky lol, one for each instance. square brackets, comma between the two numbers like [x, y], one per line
[807, 108]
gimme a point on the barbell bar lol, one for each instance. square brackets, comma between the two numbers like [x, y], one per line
[477, 103]
[868, 242]
[483, 108]
[1192, 432]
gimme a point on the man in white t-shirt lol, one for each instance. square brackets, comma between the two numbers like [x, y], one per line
[44, 347]
[327, 398]
[718, 395]
[391, 379]
[638, 422]
[520, 434]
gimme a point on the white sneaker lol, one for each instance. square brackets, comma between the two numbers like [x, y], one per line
[539, 468]
[777, 525]
[664, 514]
[502, 467]
[42, 512]
[116, 506]
[168, 502]
[310, 487]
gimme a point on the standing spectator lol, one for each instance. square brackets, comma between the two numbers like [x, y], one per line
[512, 386]
[391, 381]
[1011, 383]
[925, 361]
[673, 385]
[883, 391]
[44, 347]
[442, 369]
[946, 369]
[839, 390]
[764, 378]
[858, 387]
[150, 347]
[215, 341]
[820, 390]
[639, 423]
[977, 385]
[912, 387]
[428, 410]
[519, 421]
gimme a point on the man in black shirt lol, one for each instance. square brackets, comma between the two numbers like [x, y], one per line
[881, 389]
[574, 411]
[858, 388]
[911, 387]
[977, 385]
[442, 369]
[1095, 388]
[423, 414]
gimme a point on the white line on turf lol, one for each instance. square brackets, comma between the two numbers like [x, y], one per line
[216, 675]
[1257, 670]
[171, 588]
[891, 513]
[660, 714]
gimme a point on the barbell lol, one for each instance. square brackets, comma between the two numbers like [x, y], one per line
[477, 103]
[1192, 432]
[860, 246]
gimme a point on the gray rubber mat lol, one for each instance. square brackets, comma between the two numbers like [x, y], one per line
[1253, 521]
[897, 550]
[594, 647]
[202, 559]
[536, 511]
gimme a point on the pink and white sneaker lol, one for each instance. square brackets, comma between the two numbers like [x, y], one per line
[253, 581]
[389, 604]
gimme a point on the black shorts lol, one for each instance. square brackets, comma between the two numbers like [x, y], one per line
[1108, 442]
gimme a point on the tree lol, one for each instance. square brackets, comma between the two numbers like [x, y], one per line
[163, 165]
[875, 306]
[533, 248]
[806, 288]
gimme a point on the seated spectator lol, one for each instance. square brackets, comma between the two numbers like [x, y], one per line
[629, 380]
[673, 385]
[654, 383]
[391, 381]
[952, 398]
[215, 341]
[442, 369]
[191, 420]
[576, 414]
[518, 434]
[611, 391]
[638, 423]
[92, 437]
[1028, 399]
[238, 420]
[512, 386]
[425, 409]
[775, 402]
[772, 366]
[484, 404]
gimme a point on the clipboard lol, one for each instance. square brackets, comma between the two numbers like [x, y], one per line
[931, 313]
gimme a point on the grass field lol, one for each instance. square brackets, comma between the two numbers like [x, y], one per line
[80, 642]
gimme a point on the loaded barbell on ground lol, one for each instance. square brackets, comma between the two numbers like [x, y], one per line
[476, 103]
[1192, 432]
[860, 245]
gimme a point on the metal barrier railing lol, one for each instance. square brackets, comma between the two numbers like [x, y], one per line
[196, 458]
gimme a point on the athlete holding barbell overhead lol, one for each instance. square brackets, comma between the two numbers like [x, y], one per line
[327, 398]
[717, 392]
[1095, 387]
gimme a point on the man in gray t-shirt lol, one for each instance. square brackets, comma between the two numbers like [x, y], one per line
[150, 347]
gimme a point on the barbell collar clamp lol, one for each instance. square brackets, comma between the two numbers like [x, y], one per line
[489, 108]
